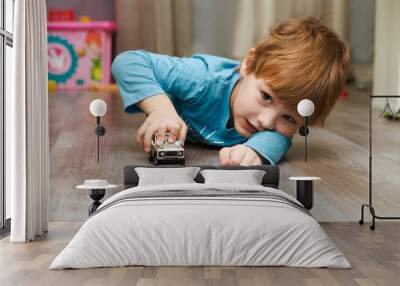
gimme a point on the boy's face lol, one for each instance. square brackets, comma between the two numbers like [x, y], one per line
[255, 108]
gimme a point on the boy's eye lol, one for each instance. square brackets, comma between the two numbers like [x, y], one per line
[266, 97]
[289, 119]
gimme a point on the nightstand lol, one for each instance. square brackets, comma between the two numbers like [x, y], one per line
[97, 190]
[304, 190]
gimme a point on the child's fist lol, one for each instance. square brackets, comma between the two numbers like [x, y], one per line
[161, 122]
[238, 155]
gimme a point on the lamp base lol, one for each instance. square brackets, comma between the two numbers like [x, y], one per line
[304, 193]
[96, 195]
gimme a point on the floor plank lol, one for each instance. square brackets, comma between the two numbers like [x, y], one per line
[374, 255]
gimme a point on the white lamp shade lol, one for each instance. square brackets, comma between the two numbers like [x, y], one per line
[98, 107]
[305, 107]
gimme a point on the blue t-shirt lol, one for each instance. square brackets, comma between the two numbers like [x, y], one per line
[199, 88]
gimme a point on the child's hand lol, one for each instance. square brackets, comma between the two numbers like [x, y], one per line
[161, 121]
[239, 155]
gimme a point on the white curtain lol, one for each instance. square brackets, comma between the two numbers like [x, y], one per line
[255, 17]
[386, 76]
[161, 26]
[27, 140]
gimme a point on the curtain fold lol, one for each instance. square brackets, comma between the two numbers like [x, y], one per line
[158, 26]
[27, 136]
[256, 17]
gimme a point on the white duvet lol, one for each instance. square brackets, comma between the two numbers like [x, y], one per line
[183, 231]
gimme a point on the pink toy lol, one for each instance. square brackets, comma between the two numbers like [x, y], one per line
[79, 54]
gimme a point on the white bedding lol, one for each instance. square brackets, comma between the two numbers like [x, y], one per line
[182, 231]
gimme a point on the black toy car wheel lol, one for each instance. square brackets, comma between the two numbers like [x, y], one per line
[151, 158]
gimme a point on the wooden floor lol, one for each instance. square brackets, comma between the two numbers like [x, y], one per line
[338, 154]
[375, 257]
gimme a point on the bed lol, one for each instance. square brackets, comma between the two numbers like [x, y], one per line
[201, 224]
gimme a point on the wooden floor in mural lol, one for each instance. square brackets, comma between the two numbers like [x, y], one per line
[338, 154]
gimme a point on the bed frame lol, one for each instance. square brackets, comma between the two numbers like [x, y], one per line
[304, 191]
[270, 179]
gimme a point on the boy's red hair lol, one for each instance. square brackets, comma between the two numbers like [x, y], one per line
[301, 58]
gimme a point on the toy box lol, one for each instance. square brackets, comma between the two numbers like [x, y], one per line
[79, 54]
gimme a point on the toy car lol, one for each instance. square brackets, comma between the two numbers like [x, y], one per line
[166, 152]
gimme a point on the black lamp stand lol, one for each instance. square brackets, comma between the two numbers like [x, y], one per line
[100, 131]
[96, 195]
[304, 193]
[303, 131]
[305, 138]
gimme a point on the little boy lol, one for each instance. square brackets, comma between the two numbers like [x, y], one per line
[249, 108]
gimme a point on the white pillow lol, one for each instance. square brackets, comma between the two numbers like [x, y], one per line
[163, 176]
[249, 177]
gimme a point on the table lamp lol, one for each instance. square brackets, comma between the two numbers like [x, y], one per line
[98, 108]
[305, 108]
